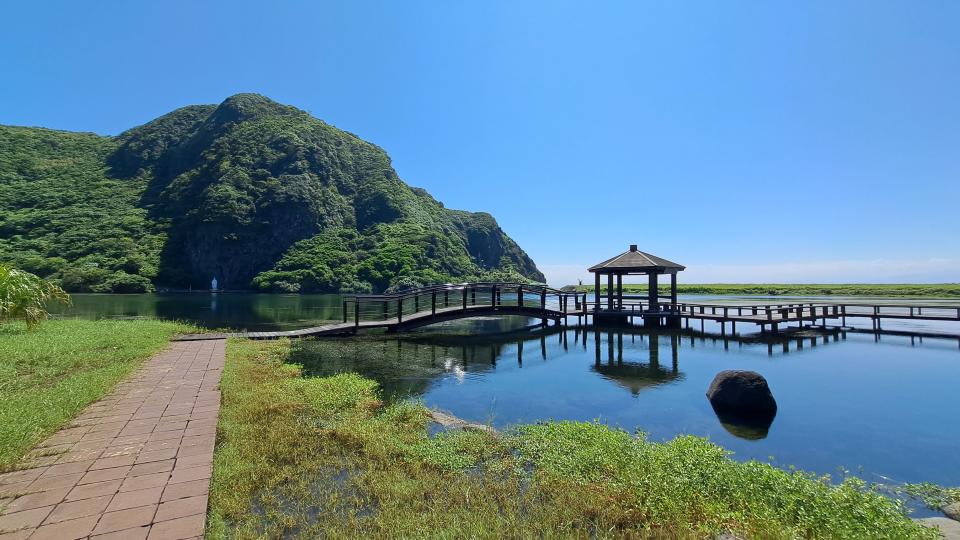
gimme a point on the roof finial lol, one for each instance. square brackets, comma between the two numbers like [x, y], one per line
[633, 247]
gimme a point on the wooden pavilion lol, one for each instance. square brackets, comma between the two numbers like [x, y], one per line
[630, 263]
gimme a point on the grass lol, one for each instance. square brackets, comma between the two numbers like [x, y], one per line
[325, 456]
[939, 290]
[49, 374]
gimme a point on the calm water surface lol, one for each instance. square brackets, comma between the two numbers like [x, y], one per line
[881, 407]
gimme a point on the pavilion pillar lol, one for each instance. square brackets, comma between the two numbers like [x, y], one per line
[619, 291]
[653, 296]
[609, 291]
[673, 321]
[652, 320]
[596, 291]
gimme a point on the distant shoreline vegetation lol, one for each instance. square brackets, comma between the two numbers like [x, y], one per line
[931, 290]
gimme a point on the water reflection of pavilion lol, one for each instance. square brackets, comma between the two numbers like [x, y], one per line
[633, 373]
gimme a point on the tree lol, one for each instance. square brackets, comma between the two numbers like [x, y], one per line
[25, 296]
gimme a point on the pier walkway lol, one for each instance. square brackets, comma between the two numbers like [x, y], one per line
[436, 304]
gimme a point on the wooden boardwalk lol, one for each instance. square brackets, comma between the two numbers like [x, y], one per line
[431, 305]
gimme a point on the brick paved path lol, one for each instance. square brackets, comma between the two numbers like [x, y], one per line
[135, 464]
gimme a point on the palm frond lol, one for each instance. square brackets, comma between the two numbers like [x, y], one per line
[26, 296]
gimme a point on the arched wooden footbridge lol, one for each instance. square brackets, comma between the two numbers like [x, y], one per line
[435, 304]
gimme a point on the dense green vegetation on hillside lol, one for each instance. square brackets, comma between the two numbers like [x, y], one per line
[933, 290]
[62, 216]
[252, 192]
[325, 456]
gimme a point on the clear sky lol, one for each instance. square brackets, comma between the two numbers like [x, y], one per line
[752, 141]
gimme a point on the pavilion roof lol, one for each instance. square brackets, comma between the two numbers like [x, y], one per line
[634, 260]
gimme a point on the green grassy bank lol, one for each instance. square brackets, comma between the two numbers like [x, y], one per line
[310, 457]
[939, 290]
[49, 374]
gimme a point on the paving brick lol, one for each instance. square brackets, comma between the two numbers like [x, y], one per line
[26, 475]
[152, 467]
[125, 519]
[199, 449]
[157, 455]
[145, 481]
[185, 489]
[178, 529]
[27, 519]
[133, 499]
[37, 499]
[78, 509]
[77, 455]
[189, 474]
[66, 530]
[8, 491]
[67, 468]
[114, 461]
[122, 450]
[166, 435]
[22, 534]
[51, 482]
[109, 426]
[94, 490]
[181, 508]
[103, 475]
[194, 461]
[136, 533]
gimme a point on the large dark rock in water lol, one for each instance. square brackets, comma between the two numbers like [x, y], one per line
[743, 401]
[743, 392]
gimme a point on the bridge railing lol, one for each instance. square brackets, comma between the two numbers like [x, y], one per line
[446, 298]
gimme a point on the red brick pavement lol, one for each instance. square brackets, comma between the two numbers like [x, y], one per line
[135, 464]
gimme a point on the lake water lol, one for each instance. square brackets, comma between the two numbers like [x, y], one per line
[883, 407]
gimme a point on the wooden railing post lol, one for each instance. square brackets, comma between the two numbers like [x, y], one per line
[356, 313]
[473, 295]
[464, 298]
[446, 298]
[519, 297]
[386, 309]
[399, 310]
[433, 302]
[493, 296]
[344, 311]
[416, 302]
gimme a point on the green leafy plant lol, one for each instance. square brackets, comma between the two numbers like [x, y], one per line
[25, 296]
[932, 495]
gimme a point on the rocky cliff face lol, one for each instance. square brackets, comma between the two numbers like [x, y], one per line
[260, 194]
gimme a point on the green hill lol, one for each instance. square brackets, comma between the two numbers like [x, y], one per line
[257, 194]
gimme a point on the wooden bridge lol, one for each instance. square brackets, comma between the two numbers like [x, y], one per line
[440, 303]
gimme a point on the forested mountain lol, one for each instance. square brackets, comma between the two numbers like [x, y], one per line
[257, 194]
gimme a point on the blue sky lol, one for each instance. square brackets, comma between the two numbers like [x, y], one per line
[751, 141]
